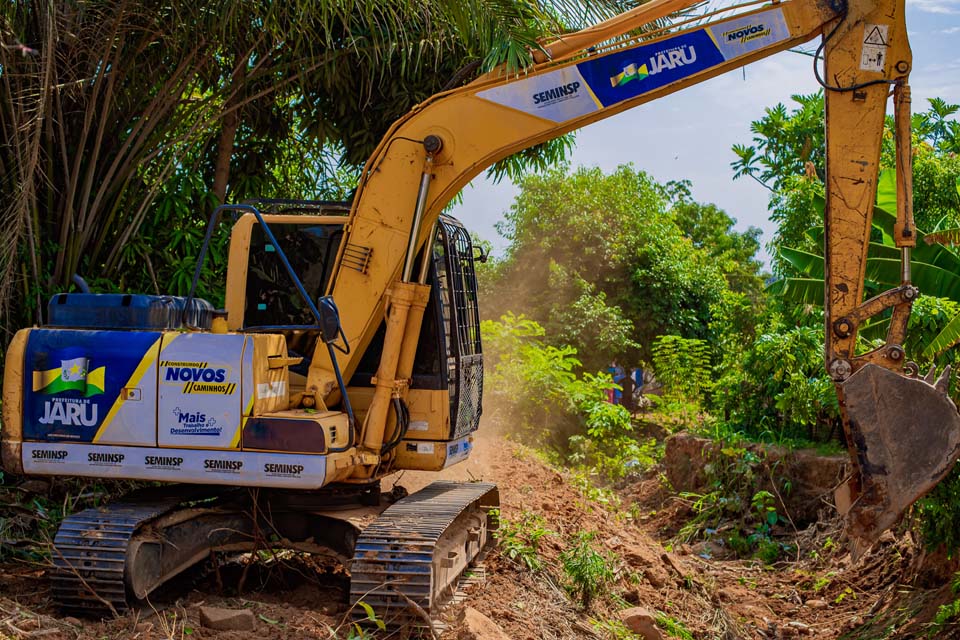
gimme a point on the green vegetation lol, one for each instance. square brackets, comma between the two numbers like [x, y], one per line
[735, 500]
[683, 368]
[535, 387]
[673, 627]
[125, 131]
[29, 520]
[939, 515]
[587, 570]
[125, 123]
[781, 392]
[613, 629]
[614, 266]
[520, 541]
[947, 614]
[775, 390]
[356, 631]
[609, 262]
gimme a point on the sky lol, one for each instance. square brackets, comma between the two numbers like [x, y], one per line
[688, 135]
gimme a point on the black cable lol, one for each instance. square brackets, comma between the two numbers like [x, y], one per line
[366, 174]
[403, 424]
[823, 83]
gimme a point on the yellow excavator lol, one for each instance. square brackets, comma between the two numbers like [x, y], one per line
[349, 348]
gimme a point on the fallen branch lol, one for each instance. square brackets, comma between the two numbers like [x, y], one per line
[86, 585]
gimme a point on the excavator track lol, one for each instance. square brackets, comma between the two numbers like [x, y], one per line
[90, 551]
[407, 564]
[110, 558]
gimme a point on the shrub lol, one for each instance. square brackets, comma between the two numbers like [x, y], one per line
[781, 390]
[939, 514]
[734, 504]
[587, 570]
[682, 366]
[520, 541]
[536, 390]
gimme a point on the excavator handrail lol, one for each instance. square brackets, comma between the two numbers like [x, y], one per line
[326, 300]
[249, 208]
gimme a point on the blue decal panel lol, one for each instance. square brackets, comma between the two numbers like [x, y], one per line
[73, 379]
[628, 74]
[570, 92]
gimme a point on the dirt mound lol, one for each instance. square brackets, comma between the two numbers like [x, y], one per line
[811, 477]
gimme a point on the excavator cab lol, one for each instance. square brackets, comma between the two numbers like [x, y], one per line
[446, 385]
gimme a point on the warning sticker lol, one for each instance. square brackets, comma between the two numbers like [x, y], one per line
[873, 55]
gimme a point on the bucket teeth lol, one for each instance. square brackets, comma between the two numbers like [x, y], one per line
[943, 382]
[930, 374]
[906, 438]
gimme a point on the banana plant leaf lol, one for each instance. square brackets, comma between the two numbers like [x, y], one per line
[807, 263]
[932, 255]
[887, 196]
[884, 216]
[948, 337]
[816, 234]
[931, 279]
[876, 329]
[935, 267]
[877, 250]
[799, 290]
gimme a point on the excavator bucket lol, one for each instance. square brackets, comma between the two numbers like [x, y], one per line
[904, 437]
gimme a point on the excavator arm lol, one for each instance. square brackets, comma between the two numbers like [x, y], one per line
[431, 153]
[903, 433]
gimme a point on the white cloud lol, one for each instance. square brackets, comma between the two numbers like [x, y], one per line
[689, 134]
[937, 6]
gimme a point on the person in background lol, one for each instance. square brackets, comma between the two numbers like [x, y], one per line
[612, 370]
[627, 384]
[618, 374]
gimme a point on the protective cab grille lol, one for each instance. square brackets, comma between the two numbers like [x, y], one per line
[457, 282]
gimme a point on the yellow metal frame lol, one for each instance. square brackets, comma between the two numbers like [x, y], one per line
[431, 153]
[239, 257]
[477, 132]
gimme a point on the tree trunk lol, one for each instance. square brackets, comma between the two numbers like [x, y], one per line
[228, 131]
[228, 134]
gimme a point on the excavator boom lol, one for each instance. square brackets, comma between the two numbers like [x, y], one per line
[431, 153]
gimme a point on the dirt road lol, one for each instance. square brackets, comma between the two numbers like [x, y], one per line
[819, 595]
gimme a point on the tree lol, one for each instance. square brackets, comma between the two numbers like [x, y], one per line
[600, 261]
[785, 144]
[787, 157]
[711, 230]
[776, 385]
[934, 270]
[107, 106]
